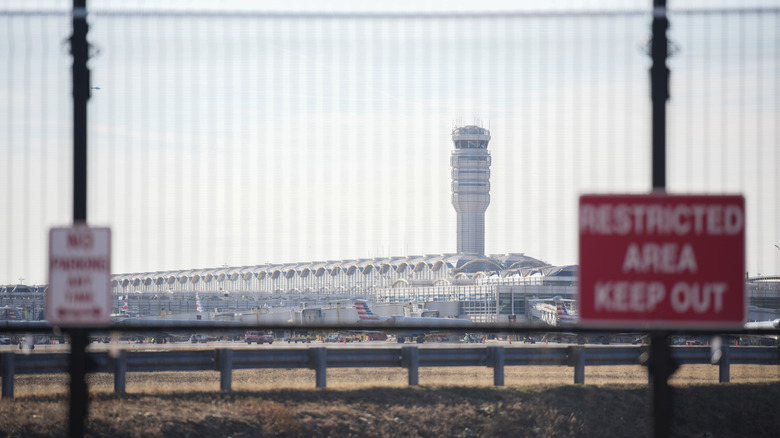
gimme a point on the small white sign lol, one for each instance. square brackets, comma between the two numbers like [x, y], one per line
[79, 292]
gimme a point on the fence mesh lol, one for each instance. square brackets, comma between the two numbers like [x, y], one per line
[244, 137]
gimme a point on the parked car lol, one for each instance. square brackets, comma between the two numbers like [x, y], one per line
[5, 341]
[258, 338]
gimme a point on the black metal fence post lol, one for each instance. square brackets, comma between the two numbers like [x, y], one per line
[80, 51]
[662, 366]
[659, 86]
[660, 359]
[78, 381]
[79, 337]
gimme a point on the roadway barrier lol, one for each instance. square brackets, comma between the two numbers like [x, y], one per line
[226, 360]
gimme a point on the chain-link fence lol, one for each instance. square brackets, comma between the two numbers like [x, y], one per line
[239, 137]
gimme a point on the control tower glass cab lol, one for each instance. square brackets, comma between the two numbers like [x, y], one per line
[470, 162]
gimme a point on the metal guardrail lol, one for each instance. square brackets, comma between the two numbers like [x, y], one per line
[320, 359]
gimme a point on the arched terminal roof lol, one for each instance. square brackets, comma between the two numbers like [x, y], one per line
[456, 266]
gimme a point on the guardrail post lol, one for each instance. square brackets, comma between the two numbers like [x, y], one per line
[724, 368]
[120, 372]
[410, 357]
[576, 359]
[320, 359]
[9, 367]
[497, 354]
[225, 364]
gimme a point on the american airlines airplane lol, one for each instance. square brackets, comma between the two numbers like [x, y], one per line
[9, 313]
[773, 324]
[567, 318]
[764, 339]
[558, 315]
[431, 325]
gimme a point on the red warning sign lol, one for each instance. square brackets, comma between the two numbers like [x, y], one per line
[662, 261]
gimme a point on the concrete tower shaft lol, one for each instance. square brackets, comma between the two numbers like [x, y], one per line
[470, 162]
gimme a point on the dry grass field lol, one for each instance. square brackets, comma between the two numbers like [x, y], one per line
[536, 402]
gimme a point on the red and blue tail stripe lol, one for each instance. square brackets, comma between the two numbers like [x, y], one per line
[364, 312]
[15, 315]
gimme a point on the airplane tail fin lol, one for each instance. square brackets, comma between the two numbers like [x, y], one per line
[198, 307]
[561, 309]
[15, 315]
[124, 309]
[364, 312]
[565, 317]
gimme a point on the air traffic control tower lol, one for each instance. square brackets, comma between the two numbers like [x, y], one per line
[470, 162]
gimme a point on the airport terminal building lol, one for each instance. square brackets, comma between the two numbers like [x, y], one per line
[468, 283]
[484, 288]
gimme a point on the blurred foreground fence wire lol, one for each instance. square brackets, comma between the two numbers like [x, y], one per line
[239, 137]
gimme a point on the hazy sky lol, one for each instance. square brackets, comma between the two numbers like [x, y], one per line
[250, 138]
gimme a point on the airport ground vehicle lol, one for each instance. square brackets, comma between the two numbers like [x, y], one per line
[342, 338]
[258, 338]
[199, 338]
